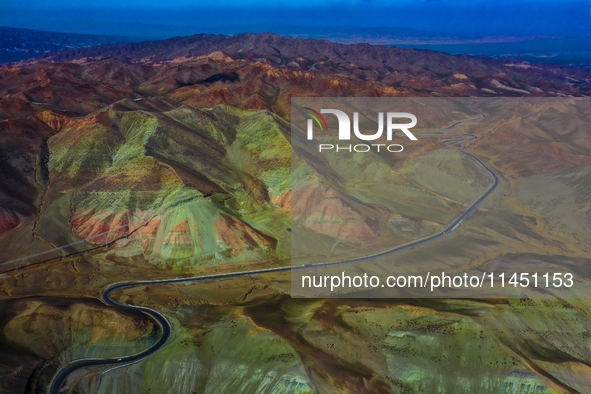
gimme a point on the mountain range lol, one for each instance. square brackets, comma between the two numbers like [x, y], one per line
[187, 143]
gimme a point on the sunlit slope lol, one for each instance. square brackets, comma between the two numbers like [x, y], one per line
[201, 179]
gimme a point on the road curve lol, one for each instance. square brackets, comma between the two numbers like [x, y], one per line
[61, 376]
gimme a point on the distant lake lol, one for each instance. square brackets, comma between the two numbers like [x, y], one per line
[563, 51]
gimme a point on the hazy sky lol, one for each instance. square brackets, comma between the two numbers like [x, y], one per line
[176, 17]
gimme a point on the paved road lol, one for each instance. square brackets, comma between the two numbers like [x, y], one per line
[60, 378]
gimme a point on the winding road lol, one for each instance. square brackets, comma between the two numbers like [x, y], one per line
[61, 376]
